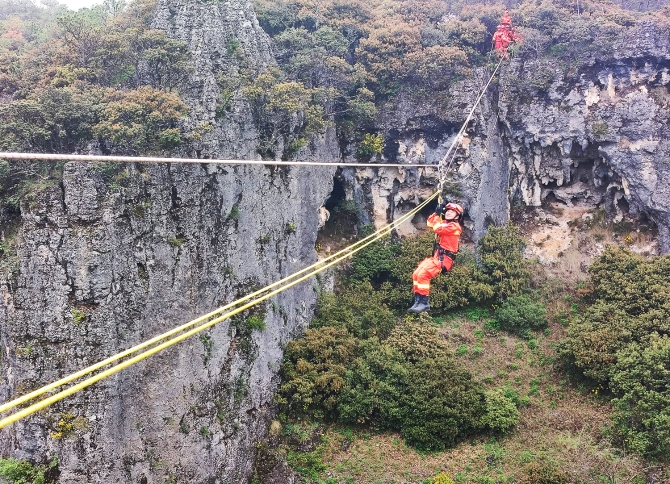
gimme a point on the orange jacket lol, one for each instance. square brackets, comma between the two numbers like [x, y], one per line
[448, 232]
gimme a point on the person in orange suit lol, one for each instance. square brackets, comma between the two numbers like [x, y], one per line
[505, 35]
[446, 223]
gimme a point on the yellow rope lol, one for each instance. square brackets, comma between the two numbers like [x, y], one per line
[29, 396]
[343, 254]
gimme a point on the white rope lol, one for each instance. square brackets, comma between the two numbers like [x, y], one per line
[149, 159]
[445, 169]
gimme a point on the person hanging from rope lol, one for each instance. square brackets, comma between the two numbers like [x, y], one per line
[505, 36]
[446, 223]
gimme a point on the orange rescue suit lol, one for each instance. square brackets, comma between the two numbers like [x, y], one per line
[448, 234]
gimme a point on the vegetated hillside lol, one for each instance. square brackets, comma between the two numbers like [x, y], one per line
[514, 376]
[363, 53]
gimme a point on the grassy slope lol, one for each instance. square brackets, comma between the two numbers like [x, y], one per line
[563, 423]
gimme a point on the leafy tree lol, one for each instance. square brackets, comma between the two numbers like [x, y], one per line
[143, 120]
[288, 113]
[51, 119]
[163, 62]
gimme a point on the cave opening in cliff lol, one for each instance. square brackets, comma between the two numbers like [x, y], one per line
[343, 219]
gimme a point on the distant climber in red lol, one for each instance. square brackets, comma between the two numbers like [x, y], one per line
[505, 35]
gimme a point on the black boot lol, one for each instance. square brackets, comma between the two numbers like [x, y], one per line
[422, 306]
[416, 301]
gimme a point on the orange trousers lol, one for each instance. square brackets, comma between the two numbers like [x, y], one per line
[427, 269]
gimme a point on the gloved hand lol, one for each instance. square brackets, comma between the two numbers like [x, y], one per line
[439, 210]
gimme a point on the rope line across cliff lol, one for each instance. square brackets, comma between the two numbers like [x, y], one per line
[151, 159]
[193, 327]
[444, 169]
[315, 269]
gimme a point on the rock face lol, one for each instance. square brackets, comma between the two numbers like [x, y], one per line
[598, 133]
[102, 269]
[594, 132]
[224, 38]
[108, 260]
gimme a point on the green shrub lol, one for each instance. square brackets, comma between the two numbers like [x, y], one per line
[314, 371]
[642, 410]
[375, 384]
[620, 339]
[374, 262]
[234, 213]
[544, 473]
[417, 341]
[501, 410]
[371, 144]
[595, 338]
[16, 471]
[500, 254]
[441, 478]
[256, 322]
[442, 404]
[358, 308]
[519, 314]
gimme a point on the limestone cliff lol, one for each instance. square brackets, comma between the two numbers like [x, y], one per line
[106, 260]
[593, 132]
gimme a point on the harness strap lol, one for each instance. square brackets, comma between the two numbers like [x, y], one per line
[441, 252]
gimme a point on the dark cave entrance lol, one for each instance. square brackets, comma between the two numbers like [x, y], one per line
[342, 224]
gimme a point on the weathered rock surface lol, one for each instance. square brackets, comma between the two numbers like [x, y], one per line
[593, 132]
[105, 263]
[104, 268]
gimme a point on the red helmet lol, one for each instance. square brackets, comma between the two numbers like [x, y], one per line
[455, 207]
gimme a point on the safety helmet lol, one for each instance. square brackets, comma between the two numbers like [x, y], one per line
[455, 207]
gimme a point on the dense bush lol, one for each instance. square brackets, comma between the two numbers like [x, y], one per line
[70, 79]
[501, 410]
[358, 308]
[642, 410]
[500, 254]
[442, 404]
[15, 471]
[620, 339]
[314, 371]
[375, 383]
[520, 314]
[407, 383]
[543, 473]
[416, 341]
